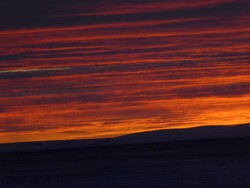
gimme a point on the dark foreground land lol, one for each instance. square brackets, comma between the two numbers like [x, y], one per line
[199, 163]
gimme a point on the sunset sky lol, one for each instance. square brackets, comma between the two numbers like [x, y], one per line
[81, 69]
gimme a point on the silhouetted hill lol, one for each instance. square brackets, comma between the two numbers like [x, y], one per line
[196, 133]
[204, 132]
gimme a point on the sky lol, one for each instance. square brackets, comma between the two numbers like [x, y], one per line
[84, 69]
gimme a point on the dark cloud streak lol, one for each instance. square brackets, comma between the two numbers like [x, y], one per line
[105, 68]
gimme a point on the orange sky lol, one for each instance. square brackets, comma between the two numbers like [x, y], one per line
[95, 69]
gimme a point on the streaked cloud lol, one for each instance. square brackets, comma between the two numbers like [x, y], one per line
[80, 69]
[33, 70]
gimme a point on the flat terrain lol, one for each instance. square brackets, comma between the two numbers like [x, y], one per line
[198, 163]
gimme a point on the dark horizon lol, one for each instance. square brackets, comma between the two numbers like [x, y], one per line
[149, 137]
[207, 163]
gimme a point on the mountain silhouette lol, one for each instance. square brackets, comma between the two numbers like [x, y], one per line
[196, 133]
[203, 132]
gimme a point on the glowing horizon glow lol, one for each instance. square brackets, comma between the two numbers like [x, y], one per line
[80, 70]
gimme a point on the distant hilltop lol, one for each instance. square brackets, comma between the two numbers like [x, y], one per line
[203, 132]
[196, 133]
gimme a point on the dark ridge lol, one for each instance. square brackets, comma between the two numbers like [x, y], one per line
[173, 137]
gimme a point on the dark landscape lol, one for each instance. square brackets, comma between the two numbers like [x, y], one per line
[217, 162]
